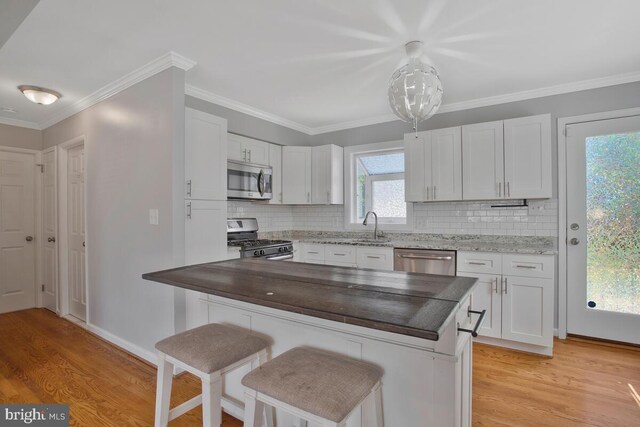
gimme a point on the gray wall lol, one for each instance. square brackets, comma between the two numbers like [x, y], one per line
[18, 137]
[253, 127]
[131, 143]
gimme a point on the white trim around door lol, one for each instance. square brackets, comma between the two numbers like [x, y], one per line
[563, 122]
[63, 229]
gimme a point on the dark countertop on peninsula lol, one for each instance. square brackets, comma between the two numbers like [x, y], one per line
[412, 304]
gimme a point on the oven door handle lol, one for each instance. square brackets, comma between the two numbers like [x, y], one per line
[279, 257]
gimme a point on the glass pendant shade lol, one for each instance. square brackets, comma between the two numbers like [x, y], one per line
[415, 92]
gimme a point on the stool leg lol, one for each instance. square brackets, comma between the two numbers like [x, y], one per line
[163, 391]
[211, 396]
[268, 409]
[253, 410]
[372, 408]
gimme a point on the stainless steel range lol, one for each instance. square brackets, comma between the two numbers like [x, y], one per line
[243, 233]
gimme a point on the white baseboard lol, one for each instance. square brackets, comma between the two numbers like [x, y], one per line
[124, 344]
[529, 348]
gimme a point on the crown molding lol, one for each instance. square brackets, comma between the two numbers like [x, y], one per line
[244, 108]
[19, 123]
[169, 59]
[354, 124]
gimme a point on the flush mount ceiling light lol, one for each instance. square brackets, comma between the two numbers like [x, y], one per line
[39, 95]
[415, 89]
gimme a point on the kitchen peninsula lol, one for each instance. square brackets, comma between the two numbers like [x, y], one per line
[406, 323]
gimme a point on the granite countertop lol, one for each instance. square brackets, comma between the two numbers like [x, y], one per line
[419, 305]
[506, 244]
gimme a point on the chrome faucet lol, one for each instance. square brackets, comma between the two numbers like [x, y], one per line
[375, 230]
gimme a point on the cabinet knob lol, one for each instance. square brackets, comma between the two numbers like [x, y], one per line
[575, 241]
[29, 238]
[51, 239]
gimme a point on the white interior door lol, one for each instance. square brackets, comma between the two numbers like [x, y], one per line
[603, 229]
[76, 230]
[17, 231]
[50, 230]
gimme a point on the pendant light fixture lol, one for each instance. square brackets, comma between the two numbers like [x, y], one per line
[415, 89]
[39, 95]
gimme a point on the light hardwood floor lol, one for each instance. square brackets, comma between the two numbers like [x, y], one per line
[45, 359]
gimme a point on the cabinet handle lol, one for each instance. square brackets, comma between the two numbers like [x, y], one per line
[249, 155]
[531, 267]
[280, 197]
[477, 263]
[308, 197]
[508, 191]
[427, 193]
[499, 189]
[51, 239]
[434, 192]
[189, 188]
[373, 257]
[189, 210]
[312, 252]
[339, 254]
[328, 197]
[494, 288]
[505, 285]
[474, 331]
[244, 155]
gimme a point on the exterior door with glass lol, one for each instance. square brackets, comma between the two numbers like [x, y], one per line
[603, 229]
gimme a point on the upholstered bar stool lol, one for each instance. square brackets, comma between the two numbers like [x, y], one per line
[315, 386]
[208, 352]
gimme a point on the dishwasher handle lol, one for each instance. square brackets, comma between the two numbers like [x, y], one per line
[429, 257]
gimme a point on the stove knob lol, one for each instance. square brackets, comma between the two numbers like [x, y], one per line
[256, 253]
[281, 249]
[261, 251]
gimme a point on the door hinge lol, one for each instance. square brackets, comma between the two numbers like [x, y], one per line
[43, 287]
[41, 167]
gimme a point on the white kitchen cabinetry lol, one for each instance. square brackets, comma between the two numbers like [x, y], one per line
[275, 161]
[508, 159]
[433, 165]
[377, 258]
[527, 157]
[205, 241]
[205, 156]
[244, 149]
[296, 175]
[483, 161]
[374, 257]
[326, 175]
[517, 292]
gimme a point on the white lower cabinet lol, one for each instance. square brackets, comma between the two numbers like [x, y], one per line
[374, 257]
[518, 295]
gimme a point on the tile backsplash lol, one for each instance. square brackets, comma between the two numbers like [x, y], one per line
[540, 218]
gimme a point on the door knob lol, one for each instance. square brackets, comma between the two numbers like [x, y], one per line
[574, 241]
[29, 238]
[51, 239]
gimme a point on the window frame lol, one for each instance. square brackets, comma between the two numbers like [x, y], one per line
[351, 155]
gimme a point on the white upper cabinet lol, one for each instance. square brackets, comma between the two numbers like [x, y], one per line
[243, 149]
[296, 175]
[326, 175]
[275, 161]
[483, 161]
[433, 165]
[446, 164]
[415, 185]
[527, 157]
[205, 156]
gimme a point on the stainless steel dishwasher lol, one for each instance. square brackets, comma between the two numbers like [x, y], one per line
[425, 261]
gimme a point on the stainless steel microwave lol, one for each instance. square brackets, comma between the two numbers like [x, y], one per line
[248, 181]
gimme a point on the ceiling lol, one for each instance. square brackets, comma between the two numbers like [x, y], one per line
[321, 65]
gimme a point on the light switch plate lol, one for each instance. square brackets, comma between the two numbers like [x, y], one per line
[153, 216]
